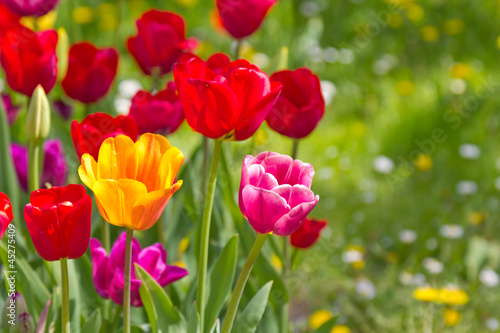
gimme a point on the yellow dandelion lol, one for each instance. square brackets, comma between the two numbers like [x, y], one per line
[276, 262]
[423, 162]
[359, 265]
[340, 329]
[318, 318]
[415, 12]
[405, 87]
[83, 15]
[183, 245]
[451, 317]
[395, 21]
[187, 3]
[476, 218]
[453, 296]
[429, 33]
[453, 26]
[426, 294]
[180, 263]
[461, 71]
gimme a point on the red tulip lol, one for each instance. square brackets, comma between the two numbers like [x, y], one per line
[307, 234]
[242, 17]
[160, 41]
[8, 20]
[31, 7]
[300, 106]
[230, 105]
[91, 72]
[5, 213]
[216, 62]
[95, 128]
[58, 221]
[29, 59]
[160, 112]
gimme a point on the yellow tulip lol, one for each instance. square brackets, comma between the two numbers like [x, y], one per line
[133, 182]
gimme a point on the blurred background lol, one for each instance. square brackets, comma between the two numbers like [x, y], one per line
[406, 157]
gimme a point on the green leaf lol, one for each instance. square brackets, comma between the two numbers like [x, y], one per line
[168, 318]
[250, 317]
[328, 326]
[8, 177]
[220, 280]
[194, 320]
[216, 327]
[93, 324]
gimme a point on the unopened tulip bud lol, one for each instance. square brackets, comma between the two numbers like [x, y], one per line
[14, 306]
[38, 116]
[24, 324]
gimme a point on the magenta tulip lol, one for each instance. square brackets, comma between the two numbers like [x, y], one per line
[108, 272]
[275, 194]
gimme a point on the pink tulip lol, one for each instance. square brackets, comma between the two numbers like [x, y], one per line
[275, 193]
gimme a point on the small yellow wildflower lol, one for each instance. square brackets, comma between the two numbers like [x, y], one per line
[476, 218]
[276, 262]
[461, 71]
[180, 263]
[83, 15]
[451, 317]
[261, 137]
[426, 294]
[453, 26]
[395, 21]
[415, 12]
[429, 33]
[319, 317]
[187, 3]
[340, 329]
[183, 245]
[453, 296]
[423, 162]
[405, 87]
[498, 42]
[42, 23]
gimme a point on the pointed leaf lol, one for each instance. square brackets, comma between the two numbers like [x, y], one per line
[194, 320]
[93, 324]
[249, 319]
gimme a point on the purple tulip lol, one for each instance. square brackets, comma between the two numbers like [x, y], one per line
[107, 272]
[54, 164]
[30, 7]
[275, 193]
[9, 107]
[63, 108]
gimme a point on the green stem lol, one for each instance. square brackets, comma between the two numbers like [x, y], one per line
[105, 235]
[284, 311]
[237, 49]
[206, 152]
[240, 284]
[116, 318]
[126, 286]
[34, 165]
[295, 148]
[205, 231]
[65, 295]
[8, 178]
[155, 79]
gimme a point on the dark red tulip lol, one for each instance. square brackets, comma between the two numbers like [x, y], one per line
[242, 17]
[308, 233]
[300, 106]
[29, 59]
[160, 41]
[5, 213]
[216, 62]
[230, 105]
[58, 221]
[157, 113]
[31, 7]
[8, 20]
[95, 128]
[91, 72]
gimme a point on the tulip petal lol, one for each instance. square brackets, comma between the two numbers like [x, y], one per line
[116, 200]
[88, 171]
[43, 229]
[264, 208]
[75, 231]
[172, 274]
[150, 150]
[280, 166]
[117, 159]
[170, 164]
[149, 207]
[99, 267]
[153, 259]
[290, 222]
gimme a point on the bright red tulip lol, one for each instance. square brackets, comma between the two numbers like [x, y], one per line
[216, 62]
[300, 106]
[242, 17]
[91, 72]
[5, 213]
[230, 105]
[58, 221]
[157, 113]
[31, 7]
[95, 128]
[29, 59]
[160, 41]
[8, 20]
[307, 234]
